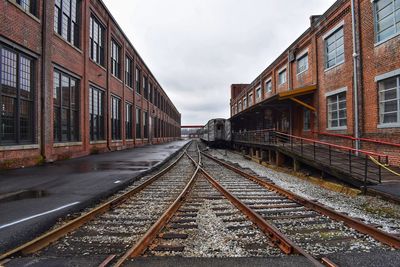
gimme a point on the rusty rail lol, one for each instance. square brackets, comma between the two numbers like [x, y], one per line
[377, 234]
[52, 236]
[140, 247]
[278, 238]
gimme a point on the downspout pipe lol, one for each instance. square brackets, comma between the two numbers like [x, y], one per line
[355, 78]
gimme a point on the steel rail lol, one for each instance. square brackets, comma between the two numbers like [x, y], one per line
[361, 227]
[140, 246]
[52, 236]
[277, 238]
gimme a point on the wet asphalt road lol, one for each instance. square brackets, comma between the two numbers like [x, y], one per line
[67, 187]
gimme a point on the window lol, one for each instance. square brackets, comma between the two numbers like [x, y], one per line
[16, 98]
[250, 99]
[306, 120]
[236, 108]
[66, 108]
[151, 93]
[138, 123]
[258, 94]
[129, 72]
[334, 49]
[240, 106]
[129, 122]
[97, 37]
[389, 101]
[145, 88]
[28, 5]
[282, 77]
[115, 59]
[96, 114]
[268, 86]
[387, 19]
[137, 77]
[66, 20]
[244, 102]
[146, 124]
[302, 64]
[115, 118]
[337, 117]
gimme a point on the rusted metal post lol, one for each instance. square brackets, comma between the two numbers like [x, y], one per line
[314, 150]
[380, 170]
[350, 161]
[365, 175]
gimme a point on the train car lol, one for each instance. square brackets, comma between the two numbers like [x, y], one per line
[216, 133]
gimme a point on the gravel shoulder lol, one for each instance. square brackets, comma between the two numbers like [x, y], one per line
[372, 210]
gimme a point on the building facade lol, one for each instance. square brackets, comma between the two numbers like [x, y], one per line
[72, 84]
[339, 79]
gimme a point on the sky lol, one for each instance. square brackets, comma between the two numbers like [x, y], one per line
[197, 48]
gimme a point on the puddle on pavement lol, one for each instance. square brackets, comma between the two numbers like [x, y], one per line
[20, 195]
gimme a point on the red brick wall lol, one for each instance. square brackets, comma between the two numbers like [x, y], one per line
[23, 29]
[339, 76]
[377, 59]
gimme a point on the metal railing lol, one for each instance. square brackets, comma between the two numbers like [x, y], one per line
[356, 163]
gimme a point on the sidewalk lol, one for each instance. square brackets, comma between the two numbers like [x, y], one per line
[33, 199]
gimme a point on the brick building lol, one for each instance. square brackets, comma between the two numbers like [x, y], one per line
[309, 90]
[72, 84]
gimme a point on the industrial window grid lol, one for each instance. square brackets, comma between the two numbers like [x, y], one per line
[17, 121]
[151, 93]
[334, 49]
[389, 101]
[129, 121]
[138, 122]
[137, 78]
[268, 86]
[97, 40]
[387, 19]
[302, 64]
[145, 124]
[115, 59]
[258, 94]
[337, 112]
[282, 77]
[306, 120]
[115, 118]
[129, 72]
[66, 20]
[66, 107]
[250, 97]
[28, 6]
[145, 87]
[96, 111]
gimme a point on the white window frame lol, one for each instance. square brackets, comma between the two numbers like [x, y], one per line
[396, 30]
[259, 94]
[250, 98]
[332, 32]
[279, 76]
[268, 90]
[306, 111]
[382, 78]
[336, 94]
[301, 57]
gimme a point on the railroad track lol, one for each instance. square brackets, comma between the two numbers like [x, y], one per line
[202, 207]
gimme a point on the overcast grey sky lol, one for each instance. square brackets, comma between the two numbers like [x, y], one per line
[198, 48]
